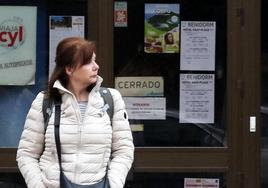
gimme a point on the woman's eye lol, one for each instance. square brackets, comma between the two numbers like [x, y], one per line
[89, 61]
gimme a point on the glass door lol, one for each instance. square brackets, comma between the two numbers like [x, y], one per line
[189, 148]
[170, 151]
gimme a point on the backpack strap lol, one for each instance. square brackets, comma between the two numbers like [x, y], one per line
[47, 110]
[57, 104]
[108, 100]
[48, 105]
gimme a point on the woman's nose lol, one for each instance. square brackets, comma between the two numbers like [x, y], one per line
[96, 66]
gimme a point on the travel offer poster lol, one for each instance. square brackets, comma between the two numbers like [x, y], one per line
[198, 43]
[161, 28]
[61, 27]
[197, 93]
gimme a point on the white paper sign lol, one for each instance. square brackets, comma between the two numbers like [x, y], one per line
[197, 98]
[198, 45]
[201, 183]
[17, 45]
[60, 28]
[146, 107]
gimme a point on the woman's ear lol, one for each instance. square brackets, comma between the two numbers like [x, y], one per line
[69, 70]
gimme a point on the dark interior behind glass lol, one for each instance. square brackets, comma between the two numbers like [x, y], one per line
[131, 60]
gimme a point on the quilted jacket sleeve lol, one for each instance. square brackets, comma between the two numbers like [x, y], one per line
[31, 145]
[122, 144]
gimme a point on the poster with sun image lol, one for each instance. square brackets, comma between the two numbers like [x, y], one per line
[161, 28]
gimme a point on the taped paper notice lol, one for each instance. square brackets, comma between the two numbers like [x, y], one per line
[146, 107]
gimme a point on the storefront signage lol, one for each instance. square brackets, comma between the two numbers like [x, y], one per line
[197, 98]
[140, 86]
[198, 45]
[17, 45]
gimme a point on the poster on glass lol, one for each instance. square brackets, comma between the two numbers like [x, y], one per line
[161, 28]
[60, 28]
[17, 45]
[198, 45]
[197, 98]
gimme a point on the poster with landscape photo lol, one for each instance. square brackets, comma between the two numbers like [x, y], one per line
[161, 28]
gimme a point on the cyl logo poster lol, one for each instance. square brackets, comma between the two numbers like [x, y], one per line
[17, 45]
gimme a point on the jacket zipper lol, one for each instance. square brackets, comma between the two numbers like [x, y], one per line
[78, 114]
[78, 152]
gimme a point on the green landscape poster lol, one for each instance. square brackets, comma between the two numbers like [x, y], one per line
[161, 28]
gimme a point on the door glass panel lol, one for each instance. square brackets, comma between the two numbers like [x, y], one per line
[16, 100]
[191, 112]
[264, 96]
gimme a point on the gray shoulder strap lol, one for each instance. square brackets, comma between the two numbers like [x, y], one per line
[108, 99]
[46, 109]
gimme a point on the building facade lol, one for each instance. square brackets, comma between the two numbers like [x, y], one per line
[197, 101]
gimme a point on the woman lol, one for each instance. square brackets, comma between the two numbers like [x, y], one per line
[90, 144]
[170, 44]
[169, 38]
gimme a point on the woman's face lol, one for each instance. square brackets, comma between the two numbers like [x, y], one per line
[85, 74]
[170, 38]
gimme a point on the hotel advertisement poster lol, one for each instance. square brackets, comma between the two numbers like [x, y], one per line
[62, 27]
[161, 28]
[197, 98]
[17, 45]
[198, 45]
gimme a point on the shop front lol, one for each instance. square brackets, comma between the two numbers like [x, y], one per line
[189, 73]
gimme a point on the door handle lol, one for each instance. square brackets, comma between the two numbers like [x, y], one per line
[252, 124]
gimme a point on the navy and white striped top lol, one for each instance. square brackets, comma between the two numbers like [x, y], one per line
[82, 106]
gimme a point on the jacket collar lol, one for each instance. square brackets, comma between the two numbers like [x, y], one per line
[62, 89]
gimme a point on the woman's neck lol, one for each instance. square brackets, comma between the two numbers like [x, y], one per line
[80, 93]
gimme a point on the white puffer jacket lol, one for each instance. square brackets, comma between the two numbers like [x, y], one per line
[86, 145]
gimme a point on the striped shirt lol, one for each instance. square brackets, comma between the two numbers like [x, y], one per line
[82, 106]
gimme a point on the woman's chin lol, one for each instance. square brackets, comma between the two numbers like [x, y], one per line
[93, 80]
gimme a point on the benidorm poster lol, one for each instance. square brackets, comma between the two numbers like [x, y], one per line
[161, 28]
